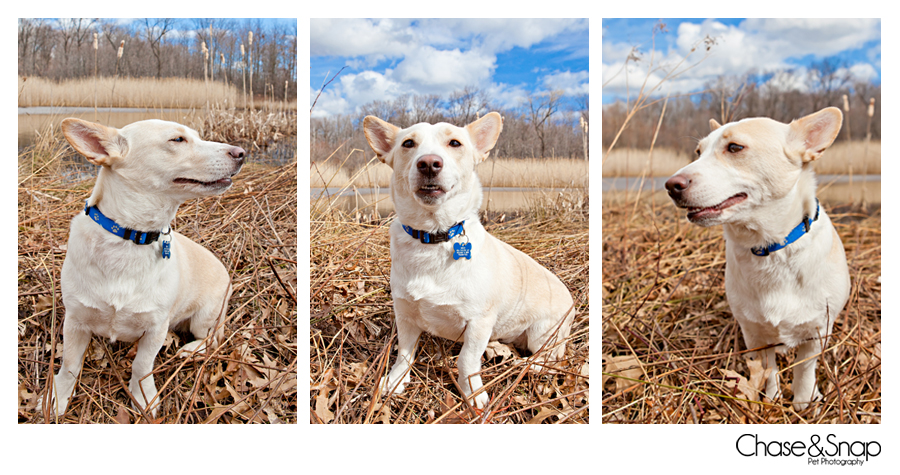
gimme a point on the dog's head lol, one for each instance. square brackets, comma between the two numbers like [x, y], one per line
[743, 165]
[433, 163]
[158, 156]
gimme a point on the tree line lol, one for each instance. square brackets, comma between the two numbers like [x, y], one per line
[544, 125]
[731, 98]
[218, 49]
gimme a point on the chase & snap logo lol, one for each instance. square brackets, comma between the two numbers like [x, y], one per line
[831, 451]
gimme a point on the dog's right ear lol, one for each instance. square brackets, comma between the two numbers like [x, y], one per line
[713, 125]
[101, 145]
[380, 136]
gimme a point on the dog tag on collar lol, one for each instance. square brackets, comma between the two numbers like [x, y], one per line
[166, 244]
[462, 249]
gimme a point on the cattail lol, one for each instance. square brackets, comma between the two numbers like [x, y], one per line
[846, 104]
[95, 41]
[121, 49]
[250, 38]
[871, 110]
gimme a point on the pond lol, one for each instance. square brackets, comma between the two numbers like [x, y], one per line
[831, 188]
[369, 200]
[34, 120]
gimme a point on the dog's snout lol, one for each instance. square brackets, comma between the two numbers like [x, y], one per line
[430, 165]
[237, 153]
[677, 185]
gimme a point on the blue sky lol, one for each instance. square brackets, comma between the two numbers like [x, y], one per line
[779, 50]
[507, 58]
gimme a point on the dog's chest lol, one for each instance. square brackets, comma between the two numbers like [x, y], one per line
[791, 294]
[115, 288]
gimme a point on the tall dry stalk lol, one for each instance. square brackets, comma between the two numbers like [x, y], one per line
[644, 93]
[244, 77]
[870, 112]
[847, 115]
[96, 47]
[116, 77]
[584, 136]
[250, 61]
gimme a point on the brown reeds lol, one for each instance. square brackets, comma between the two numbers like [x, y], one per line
[672, 351]
[252, 228]
[353, 336]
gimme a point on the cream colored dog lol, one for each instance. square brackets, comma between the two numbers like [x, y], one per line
[127, 276]
[449, 277]
[786, 273]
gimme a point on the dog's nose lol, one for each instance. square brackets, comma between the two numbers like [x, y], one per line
[237, 153]
[430, 165]
[677, 185]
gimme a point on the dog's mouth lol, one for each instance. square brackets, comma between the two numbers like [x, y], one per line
[697, 213]
[430, 191]
[216, 185]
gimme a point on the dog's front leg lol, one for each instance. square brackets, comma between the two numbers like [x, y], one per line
[75, 340]
[477, 336]
[407, 337]
[805, 388]
[141, 385]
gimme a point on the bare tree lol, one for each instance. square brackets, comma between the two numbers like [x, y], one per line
[541, 108]
[156, 29]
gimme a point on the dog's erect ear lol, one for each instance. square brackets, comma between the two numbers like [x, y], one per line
[815, 132]
[380, 136]
[713, 125]
[485, 132]
[100, 144]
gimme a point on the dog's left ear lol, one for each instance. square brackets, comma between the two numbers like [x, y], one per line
[100, 144]
[485, 132]
[815, 132]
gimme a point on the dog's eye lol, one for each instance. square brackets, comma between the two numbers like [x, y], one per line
[734, 148]
[455, 143]
[177, 139]
[408, 143]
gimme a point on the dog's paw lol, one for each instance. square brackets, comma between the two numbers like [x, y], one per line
[57, 406]
[481, 400]
[801, 403]
[148, 394]
[389, 386]
[196, 347]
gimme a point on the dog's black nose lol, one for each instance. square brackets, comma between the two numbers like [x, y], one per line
[677, 185]
[430, 165]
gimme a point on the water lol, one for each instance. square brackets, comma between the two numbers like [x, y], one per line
[367, 201]
[831, 188]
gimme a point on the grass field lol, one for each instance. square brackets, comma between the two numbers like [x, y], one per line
[837, 160]
[672, 352]
[503, 172]
[151, 93]
[353, 336]
[250, 378]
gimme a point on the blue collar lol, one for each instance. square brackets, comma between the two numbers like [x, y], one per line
[128, 234]
[795, 234]
[434, 238]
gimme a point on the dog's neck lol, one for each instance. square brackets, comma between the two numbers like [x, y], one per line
[774, 221]
[131, 206]
[463, 206]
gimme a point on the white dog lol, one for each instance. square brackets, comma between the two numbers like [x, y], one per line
[127, 276]
[786, 275]
[449, 277]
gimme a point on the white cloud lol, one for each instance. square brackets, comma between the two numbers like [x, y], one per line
[571, 83]
[761, 45]
[431, 56]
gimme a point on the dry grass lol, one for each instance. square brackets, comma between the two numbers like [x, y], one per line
[251, 377]
[672, 348]
[503, 172]
[178, 93]
[836, 161]
[353, 337]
